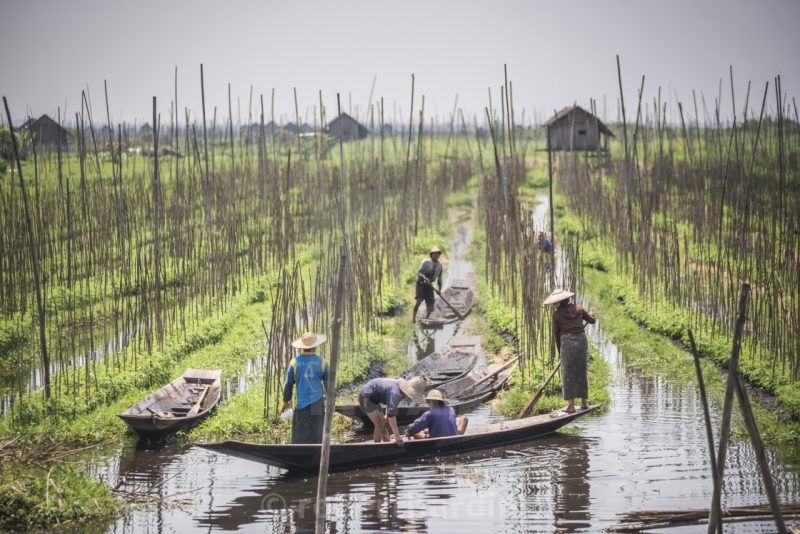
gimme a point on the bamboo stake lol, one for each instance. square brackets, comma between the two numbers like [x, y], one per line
[713, 520]
[330, 401]
[34, 259]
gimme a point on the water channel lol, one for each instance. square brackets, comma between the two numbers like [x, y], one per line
[647, 451]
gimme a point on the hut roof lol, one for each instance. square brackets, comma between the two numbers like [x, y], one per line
[44, 120]
[567, 111]
[345, 116]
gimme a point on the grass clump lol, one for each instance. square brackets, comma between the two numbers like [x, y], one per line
[36, 496]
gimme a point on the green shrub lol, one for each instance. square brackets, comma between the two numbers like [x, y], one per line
[33, 496]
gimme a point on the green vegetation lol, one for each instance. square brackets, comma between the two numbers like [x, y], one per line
[657, 353]
[33, 495]
[647, 332]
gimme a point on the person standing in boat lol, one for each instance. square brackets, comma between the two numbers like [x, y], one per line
[569, 321]
[308, 371]
[389, 392]
[439, 421]
[429, 272]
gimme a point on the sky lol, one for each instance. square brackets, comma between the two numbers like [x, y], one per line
[557, 53]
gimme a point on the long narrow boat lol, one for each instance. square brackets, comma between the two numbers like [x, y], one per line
[180, 404]
[462, 394]
[443, 366]
[305, 458]
[460, 296]
[407, 414]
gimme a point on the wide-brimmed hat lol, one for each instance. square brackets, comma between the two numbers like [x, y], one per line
[557, 296]
[434, 248]
[309, 340]
[414, 388]
[434, 395]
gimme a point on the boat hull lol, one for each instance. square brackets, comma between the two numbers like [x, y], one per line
[168, 409]
[347, 456]
[407, 414]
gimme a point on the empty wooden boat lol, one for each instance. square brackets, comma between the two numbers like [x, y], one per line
[180, 404]
[443, 366]
[305, 458]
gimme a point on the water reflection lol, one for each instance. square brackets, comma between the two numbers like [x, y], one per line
[571, 487]
[425, 343]
[531, 485]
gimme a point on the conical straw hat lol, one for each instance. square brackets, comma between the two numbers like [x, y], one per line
[309, 340]
[557, 296]
[434, 395]
[413, 389]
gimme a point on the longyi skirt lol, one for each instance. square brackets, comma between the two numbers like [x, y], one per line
[307, 423]
[574, 363]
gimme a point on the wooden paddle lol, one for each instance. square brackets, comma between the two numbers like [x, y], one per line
[196, 406]
[537, 394]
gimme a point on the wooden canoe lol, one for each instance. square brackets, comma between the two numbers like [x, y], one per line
[463, 395]
[460, 295]
[407, 414]
[180, 404]
[305, 458]
[492, 378]
[443, 366]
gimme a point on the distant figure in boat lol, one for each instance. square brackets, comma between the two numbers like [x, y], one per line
[439, 421]
[429, 272]
[544, 244]
[569, 321]
[390, 392]
[309, 372]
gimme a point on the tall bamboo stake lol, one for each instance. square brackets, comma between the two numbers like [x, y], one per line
[34, 259]
[330, 401]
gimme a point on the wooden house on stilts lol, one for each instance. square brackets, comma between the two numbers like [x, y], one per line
[574, 128]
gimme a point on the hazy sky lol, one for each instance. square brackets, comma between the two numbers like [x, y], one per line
[557, 52]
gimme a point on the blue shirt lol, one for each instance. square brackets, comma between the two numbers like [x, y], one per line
[309, 379]
[441, 422]
[384, 391]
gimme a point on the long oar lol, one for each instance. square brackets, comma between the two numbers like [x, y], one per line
[538, 394]
[458, 314]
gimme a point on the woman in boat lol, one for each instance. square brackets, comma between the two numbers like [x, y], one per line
[390, 392]
[569, 321]
[309, 372]
[439, 421]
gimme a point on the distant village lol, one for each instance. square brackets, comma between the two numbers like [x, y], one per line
[572, 128]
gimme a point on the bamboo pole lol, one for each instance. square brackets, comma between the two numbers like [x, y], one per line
[330, 401]
[733, 367]
[713, 522]
[34, 259]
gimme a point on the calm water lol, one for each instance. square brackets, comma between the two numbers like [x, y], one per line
[646, 452]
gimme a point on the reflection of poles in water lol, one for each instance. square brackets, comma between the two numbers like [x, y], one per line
[572, 488]
[426, 345]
